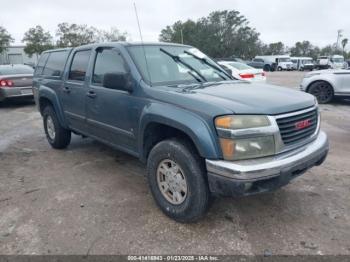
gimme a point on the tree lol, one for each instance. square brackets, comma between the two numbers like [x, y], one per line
[344, 42]
[113, 35]
[305, 48]
[277, 48]
[5, 39]
[71, 35]
[328, 50]
[37, 41]
[221, 34]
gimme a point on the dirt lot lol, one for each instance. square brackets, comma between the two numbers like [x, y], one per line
[90, 199]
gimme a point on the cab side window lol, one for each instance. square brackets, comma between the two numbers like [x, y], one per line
[107, 61]
[79, 65]
[55, 64]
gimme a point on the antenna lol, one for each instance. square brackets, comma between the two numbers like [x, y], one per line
[143, 47]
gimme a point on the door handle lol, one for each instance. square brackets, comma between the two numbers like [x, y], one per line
[66, 89]
[91, 94]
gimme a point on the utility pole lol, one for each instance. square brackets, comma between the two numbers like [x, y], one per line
[339, 37]
[182, 37]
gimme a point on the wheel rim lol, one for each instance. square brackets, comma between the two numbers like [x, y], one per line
[50, 128]
[171, 182]
[322, 92]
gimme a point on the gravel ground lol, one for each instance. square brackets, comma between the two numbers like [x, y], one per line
[90, 199]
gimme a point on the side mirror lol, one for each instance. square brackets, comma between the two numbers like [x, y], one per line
[119, 81]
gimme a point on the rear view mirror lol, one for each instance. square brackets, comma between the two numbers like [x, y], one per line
[119, 81]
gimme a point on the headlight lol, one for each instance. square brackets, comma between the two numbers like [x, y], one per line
[236, 147]
[241, 121]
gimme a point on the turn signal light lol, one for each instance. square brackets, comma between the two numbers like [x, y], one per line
[228, 148]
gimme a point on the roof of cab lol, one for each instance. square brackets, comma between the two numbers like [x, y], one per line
[115, 44]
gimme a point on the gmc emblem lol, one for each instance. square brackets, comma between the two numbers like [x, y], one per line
[302, 124]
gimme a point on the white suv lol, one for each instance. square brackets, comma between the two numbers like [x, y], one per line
[325, 84]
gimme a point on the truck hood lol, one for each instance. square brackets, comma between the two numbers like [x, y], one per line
[242, 97]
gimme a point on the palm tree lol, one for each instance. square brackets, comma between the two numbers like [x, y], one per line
[344, 42]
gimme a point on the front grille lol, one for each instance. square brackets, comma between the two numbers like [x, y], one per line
[291, 127]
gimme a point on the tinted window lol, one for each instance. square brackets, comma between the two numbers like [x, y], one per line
[55, 63]
[40, 66]
[15, 70]
[79, 65]
[107, 61]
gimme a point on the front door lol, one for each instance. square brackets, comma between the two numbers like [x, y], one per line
[74, 91]
[110, 115]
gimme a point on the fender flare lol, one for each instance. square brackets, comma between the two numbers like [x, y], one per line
[49, 94]
[195, 127]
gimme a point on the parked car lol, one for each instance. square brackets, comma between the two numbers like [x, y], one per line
[330, 62]
[199, 131]
[15, 81]
[243, 71]
[257, 63]
[326, 84]
[302, 63]
[232, 59]
[276, 62]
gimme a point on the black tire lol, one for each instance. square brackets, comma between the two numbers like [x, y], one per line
[196, 201]
[323, 91]
[279, 68]
[61, 138]
[267, 68]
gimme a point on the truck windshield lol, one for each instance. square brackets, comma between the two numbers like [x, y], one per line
[169, 65]
[338, 60]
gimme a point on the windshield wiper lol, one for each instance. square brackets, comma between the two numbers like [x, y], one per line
[177, 59]
[205, 61]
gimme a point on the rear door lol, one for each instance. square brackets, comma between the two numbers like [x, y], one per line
[343, 82]
[109, 111]
[73, 90]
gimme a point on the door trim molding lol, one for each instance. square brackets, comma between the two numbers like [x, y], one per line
[111, 128]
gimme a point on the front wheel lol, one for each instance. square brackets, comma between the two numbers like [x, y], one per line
[323, 91]
[279, 68]
[57, 136]
[177, 180]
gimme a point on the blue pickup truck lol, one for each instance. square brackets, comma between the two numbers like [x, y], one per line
[199, 131]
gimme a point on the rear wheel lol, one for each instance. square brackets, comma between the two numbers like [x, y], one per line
[267, 68]
[177, 180]
[323, 91]
[57, 136]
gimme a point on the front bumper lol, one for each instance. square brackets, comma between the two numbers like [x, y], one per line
[254, 176]
[15, 92]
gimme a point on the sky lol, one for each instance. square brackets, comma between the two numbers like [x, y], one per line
[287, 21]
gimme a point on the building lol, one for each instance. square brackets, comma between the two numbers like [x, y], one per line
[16, 55]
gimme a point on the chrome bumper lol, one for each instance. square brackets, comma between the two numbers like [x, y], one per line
[268, 167]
